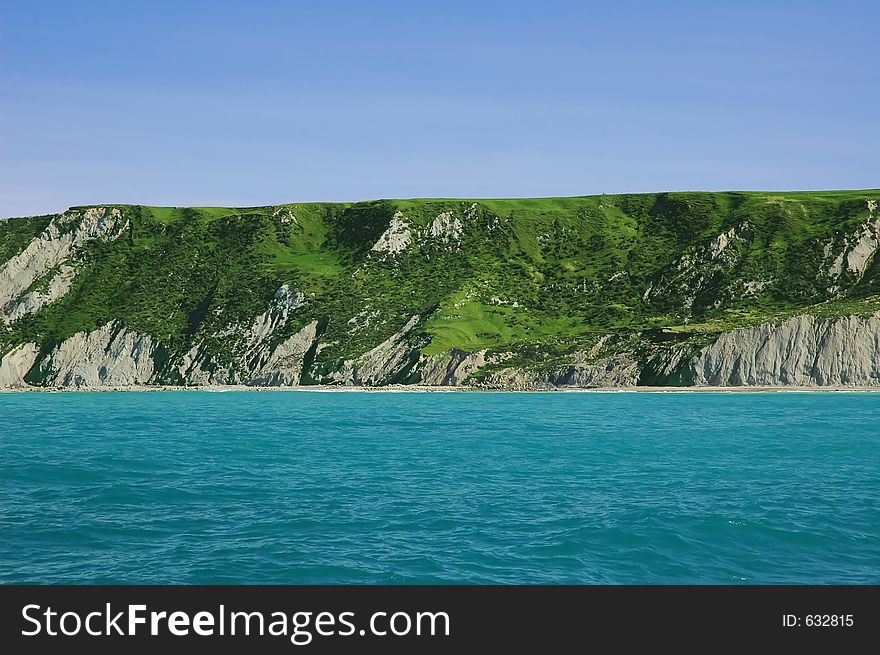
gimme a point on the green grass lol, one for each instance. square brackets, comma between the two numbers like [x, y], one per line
[472, 326]
[317, 263]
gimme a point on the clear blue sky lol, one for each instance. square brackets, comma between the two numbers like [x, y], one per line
[246, 103]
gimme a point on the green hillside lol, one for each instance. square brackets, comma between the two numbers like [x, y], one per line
[537, 277]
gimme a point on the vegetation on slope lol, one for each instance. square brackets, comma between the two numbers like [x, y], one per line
[537, 277]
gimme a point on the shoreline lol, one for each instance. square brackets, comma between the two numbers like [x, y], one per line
[413, 388]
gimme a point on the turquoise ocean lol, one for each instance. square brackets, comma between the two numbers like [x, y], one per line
[375, 487]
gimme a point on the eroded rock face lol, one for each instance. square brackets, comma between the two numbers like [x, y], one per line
[260, 359]
[55, 248]
[285, 365]
[113, 356]
[197, 368]
[396, 238]
[452, 368]
[381, 364]
[852, 253]
[108, 356]
[803, 351]
[446, 227]
[33, 301]
[15, 364]
[616, 371]
[693, 272]
[286, 301]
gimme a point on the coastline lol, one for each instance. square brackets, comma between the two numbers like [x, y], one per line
[413, 388]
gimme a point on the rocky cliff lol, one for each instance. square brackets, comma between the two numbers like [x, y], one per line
[803, 351]
[611, 291]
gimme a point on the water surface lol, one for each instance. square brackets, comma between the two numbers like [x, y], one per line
[304, 487]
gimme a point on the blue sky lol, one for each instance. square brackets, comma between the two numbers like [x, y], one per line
[252, 103]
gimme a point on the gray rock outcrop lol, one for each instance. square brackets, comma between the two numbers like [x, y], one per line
[396, 238]
[15, 364]
[108, 356]
[450, 369]
[380, 364]
[802, 351]
[285, 363]
[58, 243]
[615, 371]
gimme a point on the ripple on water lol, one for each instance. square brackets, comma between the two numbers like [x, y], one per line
[287, 487]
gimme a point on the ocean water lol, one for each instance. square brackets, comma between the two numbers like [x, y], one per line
[310, 487]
